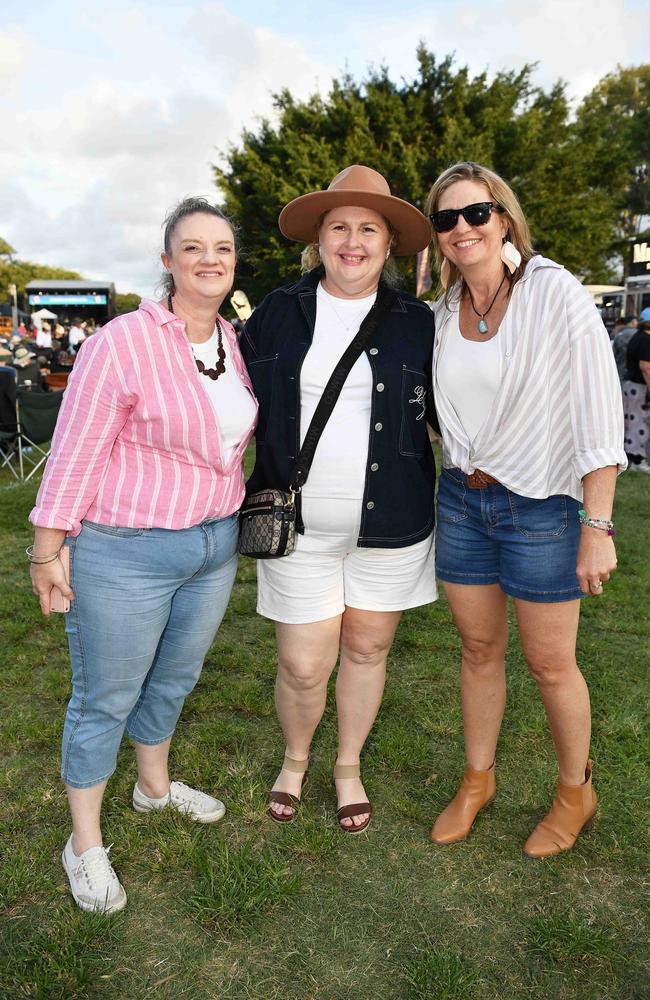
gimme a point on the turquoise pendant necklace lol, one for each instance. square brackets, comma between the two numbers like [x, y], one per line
[482, 325]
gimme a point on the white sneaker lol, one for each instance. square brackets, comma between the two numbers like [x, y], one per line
[639, 467]
[197, 805]
[94, 884]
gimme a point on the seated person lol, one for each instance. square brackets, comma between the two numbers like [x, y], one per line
[62, 361]
[28, 370]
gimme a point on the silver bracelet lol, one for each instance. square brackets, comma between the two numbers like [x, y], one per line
[40, 560]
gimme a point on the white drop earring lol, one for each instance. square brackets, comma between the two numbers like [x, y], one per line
[510, 255]
[444, 273]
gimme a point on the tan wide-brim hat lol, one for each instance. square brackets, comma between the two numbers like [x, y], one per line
[23, 355]
[361, 187]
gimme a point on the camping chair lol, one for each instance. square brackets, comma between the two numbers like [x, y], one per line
[8, 420]
[37, 413]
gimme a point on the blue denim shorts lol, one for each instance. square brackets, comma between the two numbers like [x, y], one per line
[529, 547]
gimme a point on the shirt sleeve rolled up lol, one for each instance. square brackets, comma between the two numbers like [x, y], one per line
[94, 409]
[596, 402]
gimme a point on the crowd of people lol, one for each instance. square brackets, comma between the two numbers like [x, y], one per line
[137, 517]
[43, 349]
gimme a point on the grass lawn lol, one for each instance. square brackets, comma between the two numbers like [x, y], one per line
[249, 909]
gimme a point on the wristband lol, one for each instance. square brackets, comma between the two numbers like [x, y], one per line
[601, 523]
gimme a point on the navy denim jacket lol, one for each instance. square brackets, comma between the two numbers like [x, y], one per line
[400, 470]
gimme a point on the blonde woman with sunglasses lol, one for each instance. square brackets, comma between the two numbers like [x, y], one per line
[529, 406]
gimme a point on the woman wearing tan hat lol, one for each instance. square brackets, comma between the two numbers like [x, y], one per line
[364, 519]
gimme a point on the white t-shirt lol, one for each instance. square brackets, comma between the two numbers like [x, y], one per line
[233, 404]
[76, 336]
[339, 466]
[43, 338]
[469, 374]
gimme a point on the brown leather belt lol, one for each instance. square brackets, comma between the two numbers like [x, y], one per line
[479, 480]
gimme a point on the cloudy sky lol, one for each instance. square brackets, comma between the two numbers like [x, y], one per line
[109, 114]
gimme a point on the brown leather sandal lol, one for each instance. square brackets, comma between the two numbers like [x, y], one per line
[355, 808]
[286, 798]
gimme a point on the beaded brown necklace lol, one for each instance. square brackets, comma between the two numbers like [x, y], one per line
[220, 368]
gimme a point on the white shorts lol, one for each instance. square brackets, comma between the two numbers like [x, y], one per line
[327, 571]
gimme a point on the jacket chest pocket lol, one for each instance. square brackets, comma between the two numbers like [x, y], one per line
[413, 431]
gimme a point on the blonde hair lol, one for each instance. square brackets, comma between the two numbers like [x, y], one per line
[501, 194]
[311, 258]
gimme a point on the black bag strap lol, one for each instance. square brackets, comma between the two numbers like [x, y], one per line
[382, 304]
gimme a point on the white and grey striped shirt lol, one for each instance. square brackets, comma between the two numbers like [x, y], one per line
[558, 413]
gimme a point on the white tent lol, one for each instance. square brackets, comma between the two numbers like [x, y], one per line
[40, 315]
[44, 314]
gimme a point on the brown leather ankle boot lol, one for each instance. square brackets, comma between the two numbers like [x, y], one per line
[573, 807]
[476, 790]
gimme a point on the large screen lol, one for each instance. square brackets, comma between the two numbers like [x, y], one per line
[67, 300]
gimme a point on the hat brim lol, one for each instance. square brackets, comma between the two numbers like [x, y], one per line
[299, 219]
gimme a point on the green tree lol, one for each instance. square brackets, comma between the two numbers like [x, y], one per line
[410, 132]
[613, 131]
[6, 250]
[126, 302]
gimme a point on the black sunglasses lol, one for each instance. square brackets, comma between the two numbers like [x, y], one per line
[474, 215]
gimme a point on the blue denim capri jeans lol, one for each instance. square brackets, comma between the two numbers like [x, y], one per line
[147, 605]
[529, 547]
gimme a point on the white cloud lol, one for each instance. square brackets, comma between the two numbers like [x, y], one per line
[578, 41]
[15, 59]
[93, 173]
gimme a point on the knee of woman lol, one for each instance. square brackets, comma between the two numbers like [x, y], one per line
[479, 651]
[363, 651]
[302, 672]
[549, 672]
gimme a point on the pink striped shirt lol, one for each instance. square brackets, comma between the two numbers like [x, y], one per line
[137, 442]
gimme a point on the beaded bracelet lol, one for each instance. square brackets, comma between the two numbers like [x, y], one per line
[40, 560]
[596, 522]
